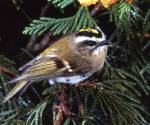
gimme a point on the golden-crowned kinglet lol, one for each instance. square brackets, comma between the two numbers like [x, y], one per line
[71, 59]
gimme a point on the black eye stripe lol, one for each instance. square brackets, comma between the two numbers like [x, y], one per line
[88, 34]
[89, 43]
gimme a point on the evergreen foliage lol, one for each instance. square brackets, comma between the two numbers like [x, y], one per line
[125, 16]
[36, 114]
[71, 24]
[115, 98]
[61, 3]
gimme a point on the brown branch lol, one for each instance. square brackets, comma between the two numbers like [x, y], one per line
[33, 38]
[46, 40]
[4, 70]
[96, 9]
[59, 118]
[62, 108]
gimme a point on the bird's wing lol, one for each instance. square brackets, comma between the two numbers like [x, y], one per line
[51, 67]
[44, 68]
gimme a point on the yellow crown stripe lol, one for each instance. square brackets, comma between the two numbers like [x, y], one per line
[89, 30]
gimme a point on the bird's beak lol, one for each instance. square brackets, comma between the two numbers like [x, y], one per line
[105, 42]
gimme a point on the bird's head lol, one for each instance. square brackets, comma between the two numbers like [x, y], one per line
[91, 42]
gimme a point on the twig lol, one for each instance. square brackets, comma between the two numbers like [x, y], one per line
[33, 38]
[17, 4]
[60, 115]
[4, 70]
[44, 42]
[96, 9]
[59, 118]
[62, 108]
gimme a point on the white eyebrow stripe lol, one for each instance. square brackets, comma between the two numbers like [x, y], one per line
[84, 38]
[52, 55]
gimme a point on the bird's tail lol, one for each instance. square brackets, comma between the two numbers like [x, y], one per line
[15, 90]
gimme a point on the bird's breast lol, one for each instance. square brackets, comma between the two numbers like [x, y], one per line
[99, 56]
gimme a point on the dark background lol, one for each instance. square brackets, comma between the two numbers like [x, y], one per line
[12, 23]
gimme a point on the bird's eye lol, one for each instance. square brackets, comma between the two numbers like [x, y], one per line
[90, 43]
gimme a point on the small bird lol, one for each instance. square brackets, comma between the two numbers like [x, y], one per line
[71, 59]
